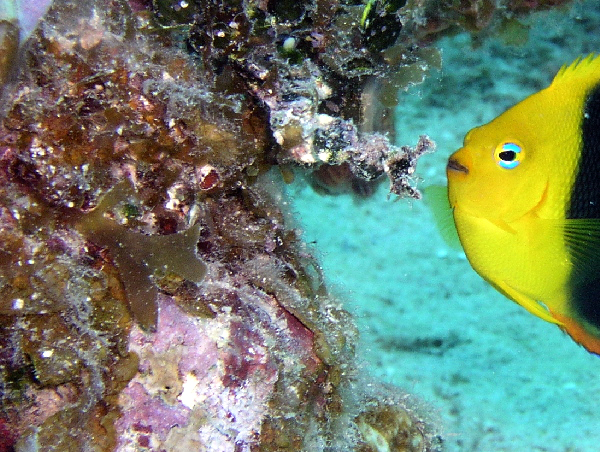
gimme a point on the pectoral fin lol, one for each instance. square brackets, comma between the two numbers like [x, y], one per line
[436, 198]
[582, 237]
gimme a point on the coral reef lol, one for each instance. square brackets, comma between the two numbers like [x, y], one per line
[152, 291]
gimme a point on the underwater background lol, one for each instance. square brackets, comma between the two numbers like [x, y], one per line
[501, 379]
[163, 242]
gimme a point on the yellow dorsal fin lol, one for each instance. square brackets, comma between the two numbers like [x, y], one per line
[584, 69]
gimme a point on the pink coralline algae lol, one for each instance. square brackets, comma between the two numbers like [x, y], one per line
[209, 381]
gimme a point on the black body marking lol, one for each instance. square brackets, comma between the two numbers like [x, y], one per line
[585, 203]
[585, 195]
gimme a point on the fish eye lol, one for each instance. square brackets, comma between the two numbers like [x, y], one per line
[508, 155]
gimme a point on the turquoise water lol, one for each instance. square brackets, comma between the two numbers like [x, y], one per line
[501, 379]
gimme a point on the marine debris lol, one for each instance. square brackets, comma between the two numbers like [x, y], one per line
[151, 291]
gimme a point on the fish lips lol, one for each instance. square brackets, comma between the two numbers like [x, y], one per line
[455, 165]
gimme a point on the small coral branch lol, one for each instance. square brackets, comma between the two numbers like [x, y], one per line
[401, 166]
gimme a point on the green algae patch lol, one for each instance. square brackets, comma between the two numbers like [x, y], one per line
[140, 257]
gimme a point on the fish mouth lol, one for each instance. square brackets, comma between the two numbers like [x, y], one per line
[455, 166]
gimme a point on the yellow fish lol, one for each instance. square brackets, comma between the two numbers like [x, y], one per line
[525, 196]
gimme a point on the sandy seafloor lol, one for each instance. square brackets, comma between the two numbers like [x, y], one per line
[500, 378]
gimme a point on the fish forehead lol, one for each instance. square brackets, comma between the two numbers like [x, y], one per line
[547, 125]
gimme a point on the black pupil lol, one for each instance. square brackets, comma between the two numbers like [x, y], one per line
[507, 156]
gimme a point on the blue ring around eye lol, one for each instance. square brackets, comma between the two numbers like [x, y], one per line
[511, 147]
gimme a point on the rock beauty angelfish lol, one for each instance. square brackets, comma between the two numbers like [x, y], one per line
[525, 196]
